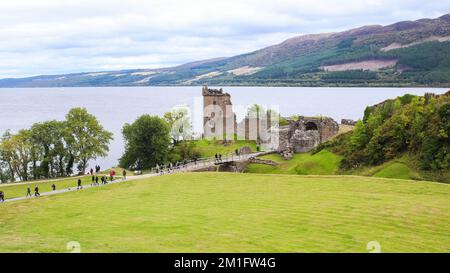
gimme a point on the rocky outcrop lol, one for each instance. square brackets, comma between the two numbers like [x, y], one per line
[350, 122]
[245, 150]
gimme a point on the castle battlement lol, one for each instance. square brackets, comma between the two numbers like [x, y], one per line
[213, 92]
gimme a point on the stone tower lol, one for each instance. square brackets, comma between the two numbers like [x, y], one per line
[218, 117]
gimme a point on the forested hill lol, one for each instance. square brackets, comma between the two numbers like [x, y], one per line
[415, 128]
[409, 53]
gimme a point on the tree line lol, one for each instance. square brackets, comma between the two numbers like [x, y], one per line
[52, 148]
[416, 125]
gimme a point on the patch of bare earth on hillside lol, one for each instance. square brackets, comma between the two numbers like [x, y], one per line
[429, 39]
[373, 65]
[204, 76]
[244, 70]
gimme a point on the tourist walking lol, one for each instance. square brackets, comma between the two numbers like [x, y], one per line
[36, 191]
[220, 157]
[96, 180]
[79, 186]
[53, 187]
[2, 196]
[124, 173]
[29, 192]
[93, 180]
[217, 157]
[91, 171]
[112, 173]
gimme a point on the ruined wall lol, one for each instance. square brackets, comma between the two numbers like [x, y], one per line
[304, 134]
[218, 118]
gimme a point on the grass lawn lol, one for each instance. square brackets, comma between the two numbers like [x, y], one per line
[225, 212]
[208, 148]
[324, 163]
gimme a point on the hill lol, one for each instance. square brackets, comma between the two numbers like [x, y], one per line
[409, 53]
[412, 131]
[220, 212]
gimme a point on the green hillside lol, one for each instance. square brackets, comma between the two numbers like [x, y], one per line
[322, 163]
[417, 53]
[399, 135]
[219, 212]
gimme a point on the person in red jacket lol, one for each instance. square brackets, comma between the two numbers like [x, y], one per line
[112, 173]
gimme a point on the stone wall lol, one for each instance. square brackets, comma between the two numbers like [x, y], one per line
[304, 134]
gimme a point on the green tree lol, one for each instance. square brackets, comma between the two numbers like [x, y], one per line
[184, 150]
[179, 122]
[147, 142]
[86, 137]
[7, 154]
[255, 111]
[5, 174]
[48, 140]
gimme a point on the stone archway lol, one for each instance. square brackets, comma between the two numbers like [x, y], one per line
[311, 126]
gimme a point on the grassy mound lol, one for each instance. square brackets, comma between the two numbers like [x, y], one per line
[396, 170]
[220, 212]
[323, 163]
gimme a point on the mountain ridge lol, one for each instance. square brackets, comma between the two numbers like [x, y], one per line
[406, 53]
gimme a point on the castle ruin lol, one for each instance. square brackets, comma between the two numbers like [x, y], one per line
[301, 135]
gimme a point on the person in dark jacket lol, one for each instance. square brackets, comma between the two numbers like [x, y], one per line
[79, 186]
[29, 191]
[36, 191]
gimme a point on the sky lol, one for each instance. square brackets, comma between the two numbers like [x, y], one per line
[64, 36]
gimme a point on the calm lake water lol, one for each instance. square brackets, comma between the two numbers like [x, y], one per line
[114, 106]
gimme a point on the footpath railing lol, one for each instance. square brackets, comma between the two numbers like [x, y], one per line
[201, 163]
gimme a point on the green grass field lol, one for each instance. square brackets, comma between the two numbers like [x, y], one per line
[322, 163]
[208, 148]
[224, 212]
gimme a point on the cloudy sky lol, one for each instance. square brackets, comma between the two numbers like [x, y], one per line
[63, 36]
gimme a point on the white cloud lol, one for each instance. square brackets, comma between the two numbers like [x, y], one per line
[56, 36]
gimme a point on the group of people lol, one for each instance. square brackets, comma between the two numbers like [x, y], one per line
[95, 179]
[97, 169]
[36, 191]
[103, 179]
[218, 158]
[171, 167]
